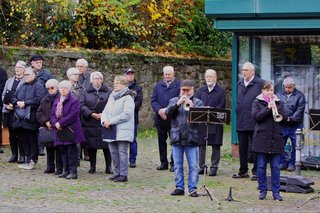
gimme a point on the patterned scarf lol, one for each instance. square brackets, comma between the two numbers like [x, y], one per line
[59, 110]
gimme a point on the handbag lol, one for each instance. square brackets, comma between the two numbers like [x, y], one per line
[22, 113]
[66, 134]
[7, 99]
[45, 135]
[109, 133]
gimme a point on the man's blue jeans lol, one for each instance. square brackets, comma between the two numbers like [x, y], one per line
[134, 146]
[192, 154]
[289, 132]
[262, 160]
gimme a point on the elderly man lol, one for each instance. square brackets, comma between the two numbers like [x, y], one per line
[133, 85]
[83, 67]
[212, 95]
[184, 138]
[162, 92]
[294, 103]
[249, 87]
[42, 74]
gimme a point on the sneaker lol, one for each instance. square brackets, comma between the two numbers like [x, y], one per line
[254, 178]
[238, 175]
[277, 197]
[290, 169]
[177, 192]
[262, 195]
[121, 179]
[132, 165]
[29, 166]
[171, 169]
[114, 177]
[21, 166]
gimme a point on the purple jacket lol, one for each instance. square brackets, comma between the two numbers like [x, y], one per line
[71, 117]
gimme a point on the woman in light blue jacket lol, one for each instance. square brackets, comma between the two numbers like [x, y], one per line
[118, 119]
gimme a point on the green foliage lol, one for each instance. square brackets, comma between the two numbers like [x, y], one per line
[177, 26]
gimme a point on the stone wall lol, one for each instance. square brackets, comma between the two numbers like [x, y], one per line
[149, 68]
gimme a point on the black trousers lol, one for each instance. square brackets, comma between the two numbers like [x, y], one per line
[215, 157]
[16, 147]
[163, 133]
[69, 155]
[245, 146]
[29, 140]
[54, 160]
[93, 157]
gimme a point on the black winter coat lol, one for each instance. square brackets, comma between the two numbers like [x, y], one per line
[44, 110]
[31, 93]
[245, 98]
[137, 100]
[215, 98]
[267, 137]
[92, 101]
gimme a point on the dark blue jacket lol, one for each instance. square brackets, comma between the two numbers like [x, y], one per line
[267, 137]
[43, 76]
[183, 132]
[294, 107]
[160, 98]
[245, 98]
[31, 93]
[215, 98]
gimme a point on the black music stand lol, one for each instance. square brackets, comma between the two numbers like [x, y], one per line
[208, 115]
[314, 119]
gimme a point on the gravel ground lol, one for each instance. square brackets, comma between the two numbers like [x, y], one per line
[148, 190]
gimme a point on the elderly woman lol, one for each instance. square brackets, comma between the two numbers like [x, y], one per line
[92, 102]
[26, 102]
[43, 117]
[118, 116]
[67, 131]
[73, 76]
[12, 84]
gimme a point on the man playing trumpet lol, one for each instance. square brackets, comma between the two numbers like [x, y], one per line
[184, 138]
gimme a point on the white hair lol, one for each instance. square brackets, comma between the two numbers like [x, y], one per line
[248, 65]
[52, 82]
[288, 81]
[210, 71]
[96, 74]
[21, 64]
[168, 69]
[82, 62]
[65, 84]
[72, 71]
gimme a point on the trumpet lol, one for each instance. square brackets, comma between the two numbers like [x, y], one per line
[187, 104]
[276, 116]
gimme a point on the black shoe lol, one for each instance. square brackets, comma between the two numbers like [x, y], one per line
[41, 151]
[277, 197]
[213, 173]
[48, 171]
[162, 167]
[109, 170]
[1, 149]
[21, 160]
[177, 192]
[254, 178]
[92, 170]
[13, 159]
[171, 168]
[201, 171]
[114, 177]
[58, 172]
[63, 175]
[194, 194]
[132, 165]
[262, 195]
[72, 176]
[238, 175]
[121, 179]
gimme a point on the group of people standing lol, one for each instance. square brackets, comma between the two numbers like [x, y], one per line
[39, 110]
[84, 110]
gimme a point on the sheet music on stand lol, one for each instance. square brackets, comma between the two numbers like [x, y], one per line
[314, 119]
[209, 115]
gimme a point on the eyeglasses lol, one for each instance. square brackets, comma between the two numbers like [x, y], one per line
[50, 88]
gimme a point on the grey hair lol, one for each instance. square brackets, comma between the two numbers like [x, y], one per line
[83, 62]
[249, 65]
[52, 82]
[210, 71]
[65, 84]
[121, 79]
[288, 81]
[96, 74]
[29, 70]
[21, 64]
[72, 71]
